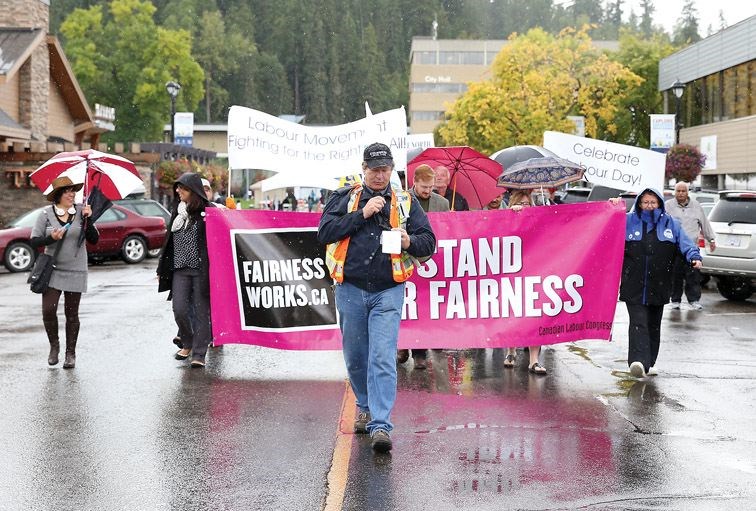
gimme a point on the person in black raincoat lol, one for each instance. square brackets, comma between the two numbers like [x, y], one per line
[653, 241]
[184, 270]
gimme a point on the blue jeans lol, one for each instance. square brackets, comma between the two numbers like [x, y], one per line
[369, 324]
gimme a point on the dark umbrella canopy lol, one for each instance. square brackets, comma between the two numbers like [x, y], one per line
[540, 173]
[515, 154]
[99, 204]
[471, 174]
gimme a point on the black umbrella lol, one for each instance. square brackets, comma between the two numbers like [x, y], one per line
[99, 204]
[518, 153]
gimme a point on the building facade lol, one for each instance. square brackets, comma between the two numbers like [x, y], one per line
[718, 105]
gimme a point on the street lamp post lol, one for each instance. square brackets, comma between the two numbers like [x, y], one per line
[677, 89]
[173, 89]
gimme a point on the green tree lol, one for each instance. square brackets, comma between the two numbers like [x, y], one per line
[220, 52]
[538, 80]
[642, 57]
[121, 58]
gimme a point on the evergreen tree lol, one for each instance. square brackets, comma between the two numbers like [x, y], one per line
[646, 22]
[686, 30]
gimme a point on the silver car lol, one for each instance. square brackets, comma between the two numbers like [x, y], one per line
[733, 263]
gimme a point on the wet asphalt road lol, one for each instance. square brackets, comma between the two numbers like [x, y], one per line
[130, 428]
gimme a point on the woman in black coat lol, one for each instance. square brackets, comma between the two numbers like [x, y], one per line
[183, 268]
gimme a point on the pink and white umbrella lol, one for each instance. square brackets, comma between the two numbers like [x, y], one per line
[115, 176]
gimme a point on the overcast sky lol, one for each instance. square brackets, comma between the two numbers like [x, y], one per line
[667, 12]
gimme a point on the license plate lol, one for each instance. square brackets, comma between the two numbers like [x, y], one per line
[732, 241]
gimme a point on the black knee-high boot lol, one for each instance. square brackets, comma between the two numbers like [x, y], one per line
[72, 334]
[51, 327]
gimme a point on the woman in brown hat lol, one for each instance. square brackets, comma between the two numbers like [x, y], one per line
[61, 223]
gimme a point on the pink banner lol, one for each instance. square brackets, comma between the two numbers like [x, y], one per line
[501, 278]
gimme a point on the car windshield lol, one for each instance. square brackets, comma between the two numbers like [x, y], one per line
[735, 210]
[27, 219]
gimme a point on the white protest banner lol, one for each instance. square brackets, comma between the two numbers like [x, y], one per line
[662, 132]
[257, 140]
[608, 164]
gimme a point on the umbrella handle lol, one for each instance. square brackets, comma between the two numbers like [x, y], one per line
[454, 191]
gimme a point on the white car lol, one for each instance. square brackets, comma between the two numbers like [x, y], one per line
[733, 263]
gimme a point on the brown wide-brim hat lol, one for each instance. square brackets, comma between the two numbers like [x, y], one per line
[62, 182]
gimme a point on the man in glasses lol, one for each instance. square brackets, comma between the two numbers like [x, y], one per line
[372, 233]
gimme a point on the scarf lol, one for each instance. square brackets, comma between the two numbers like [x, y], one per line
[181, 218]
[651, 218]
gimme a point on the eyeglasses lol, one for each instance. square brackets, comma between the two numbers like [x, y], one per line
[69, 189]
[522, 203]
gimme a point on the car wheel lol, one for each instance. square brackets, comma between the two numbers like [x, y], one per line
[734, 288]
[154, 252]
[134, 249]
[19, 257]
[705, 280]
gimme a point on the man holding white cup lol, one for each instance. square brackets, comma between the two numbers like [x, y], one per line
[373, 233]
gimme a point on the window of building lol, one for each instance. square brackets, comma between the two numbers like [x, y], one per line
[425, 57]
[729, 94]
[448, 57]
[424, 115]
[465, 58]
[449, 88]
[742, 91]
[490, 56]
[471, 58]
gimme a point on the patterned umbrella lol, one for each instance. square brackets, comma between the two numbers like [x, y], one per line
[114, 175]
[472, 174]
[540, 173]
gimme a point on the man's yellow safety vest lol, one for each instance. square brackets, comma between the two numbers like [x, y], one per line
[402, 265]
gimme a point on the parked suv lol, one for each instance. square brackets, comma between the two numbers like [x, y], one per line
[733, 263]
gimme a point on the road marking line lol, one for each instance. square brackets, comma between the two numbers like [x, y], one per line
[339, 472]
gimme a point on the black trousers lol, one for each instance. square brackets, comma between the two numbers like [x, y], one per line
[191, 309]
[644, 334]
[683, 272]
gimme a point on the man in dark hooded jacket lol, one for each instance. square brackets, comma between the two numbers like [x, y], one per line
[653, 240]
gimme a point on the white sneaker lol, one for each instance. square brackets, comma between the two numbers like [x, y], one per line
[652, 371]
[696, 306]
[674, 305]
[636, 369]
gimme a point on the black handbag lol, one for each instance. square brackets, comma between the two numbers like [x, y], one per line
[39, 278]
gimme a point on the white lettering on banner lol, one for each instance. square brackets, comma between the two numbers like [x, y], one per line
[503, 298]
[609, 164]
[495, 256]
[283, 270]
[257, 140]
[290, 295]
[529, 296]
